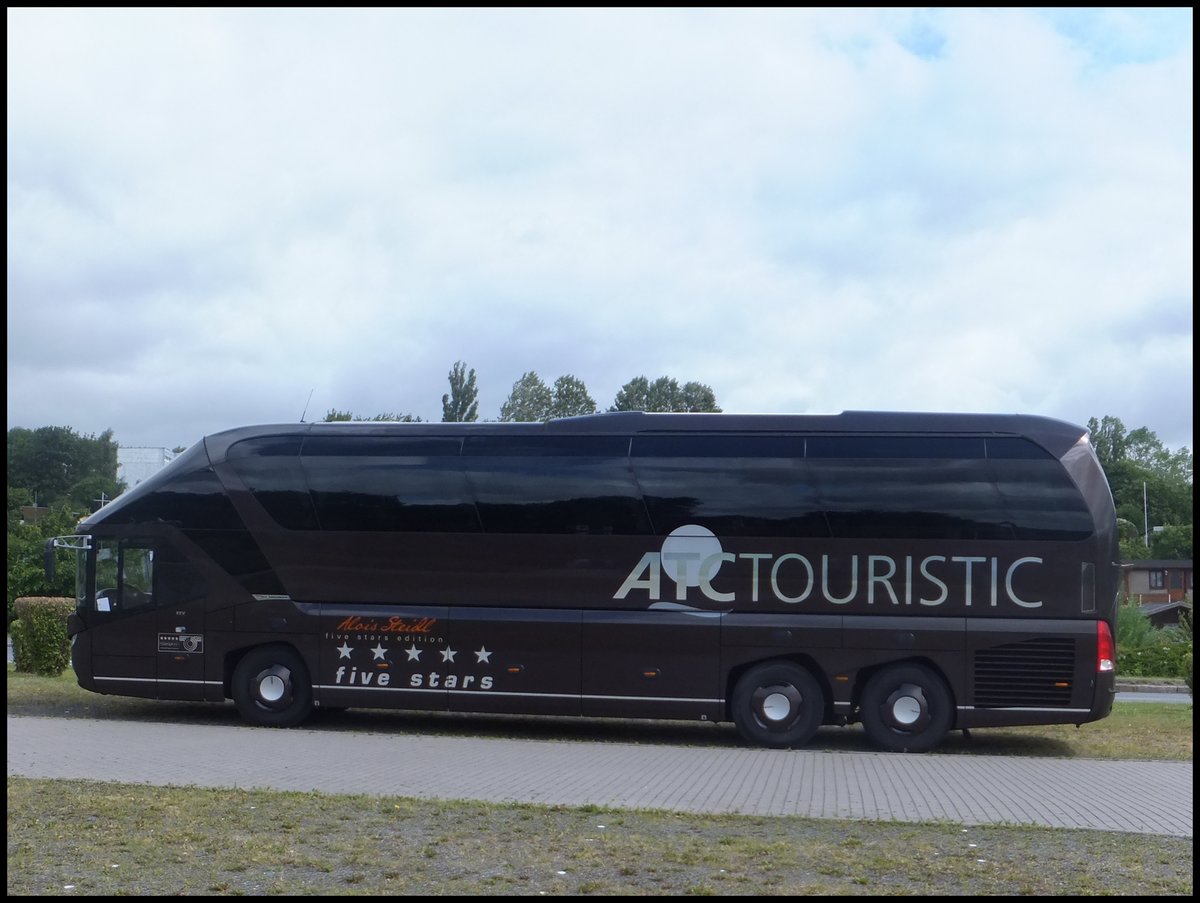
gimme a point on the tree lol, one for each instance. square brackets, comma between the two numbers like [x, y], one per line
[459, 405]
[93, 491]
[333, 415]
[26, 543]
[663, 395]
[529, 401]
[1108, 440]
[571, 398]
[1151, 486]
[697, 397]
[392, 418]
[1142, 447]
[51, 460]
[633, 396]
[1185, 627]
[1172, 544]
[17, 499]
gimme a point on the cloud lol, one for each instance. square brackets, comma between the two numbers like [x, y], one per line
[213, 213]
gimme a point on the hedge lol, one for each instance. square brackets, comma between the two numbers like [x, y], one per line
[1167, 658]
[39, 634]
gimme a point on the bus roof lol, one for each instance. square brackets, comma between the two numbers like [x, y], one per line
[1056, 436]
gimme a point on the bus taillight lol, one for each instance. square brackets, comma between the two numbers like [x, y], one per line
[1106, 650]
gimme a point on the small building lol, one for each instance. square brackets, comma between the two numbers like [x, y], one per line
[1155, 581]
[31, 514]
[136, 463]
[1163, 614]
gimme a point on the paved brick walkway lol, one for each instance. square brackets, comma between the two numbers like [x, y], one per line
[1133, 797]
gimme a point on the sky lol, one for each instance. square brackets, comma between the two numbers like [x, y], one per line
[225, 217]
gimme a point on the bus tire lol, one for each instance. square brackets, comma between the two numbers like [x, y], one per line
[906, 708]
[271, 687]
[778, 704]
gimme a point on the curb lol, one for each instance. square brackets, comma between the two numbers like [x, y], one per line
[1134, 687]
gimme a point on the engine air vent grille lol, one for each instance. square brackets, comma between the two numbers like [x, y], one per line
[1034, 673]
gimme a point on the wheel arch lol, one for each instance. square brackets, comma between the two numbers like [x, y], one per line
[795, 658]
[234, 657]
[864, 675]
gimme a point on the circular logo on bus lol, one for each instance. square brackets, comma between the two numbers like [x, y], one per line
[685, 549]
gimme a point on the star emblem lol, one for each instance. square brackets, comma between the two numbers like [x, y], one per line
[448, 655]
[379, 651]
[483, 655]
[414, 654]
[344, 650]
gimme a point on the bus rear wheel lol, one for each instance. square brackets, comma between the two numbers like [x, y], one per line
[778, 704]
[271, 687]
[906, 708]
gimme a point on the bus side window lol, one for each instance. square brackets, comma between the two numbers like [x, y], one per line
[137, 577]
[106, 575]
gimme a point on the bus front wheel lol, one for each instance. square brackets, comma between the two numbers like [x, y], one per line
[271, 687]
[906, 708]
[778, 704]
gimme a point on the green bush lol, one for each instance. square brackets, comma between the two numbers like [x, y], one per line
[1133, 627]
[1144, 650]
[1185, 627]
[39, 634]
[25, 545]
[1169, 659]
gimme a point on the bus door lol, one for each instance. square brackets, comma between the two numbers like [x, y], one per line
[146, 625]
[179, 594]
[121, 622]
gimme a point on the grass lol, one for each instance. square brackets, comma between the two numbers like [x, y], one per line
[96, 839]
[93, 838]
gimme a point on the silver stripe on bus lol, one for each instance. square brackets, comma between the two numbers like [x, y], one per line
[444, 690]
[487, 693]
[1017, 708]
[655, 699]
[152, 680]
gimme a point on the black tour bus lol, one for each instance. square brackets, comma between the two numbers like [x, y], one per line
[918, 573]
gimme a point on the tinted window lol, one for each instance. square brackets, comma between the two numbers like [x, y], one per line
[541, 446]
[236, 552]
[571, 493]
[910, 498]
[720, 446]
[858, 486]
[1015, 447]
[734, 485]
[895, 447]
[196, 499]
[265, 447]
[270, 468]
[412, 484]
[1041, 500]
[380, 446]
[124, 577]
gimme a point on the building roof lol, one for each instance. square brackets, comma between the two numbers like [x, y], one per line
[1157, 608]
